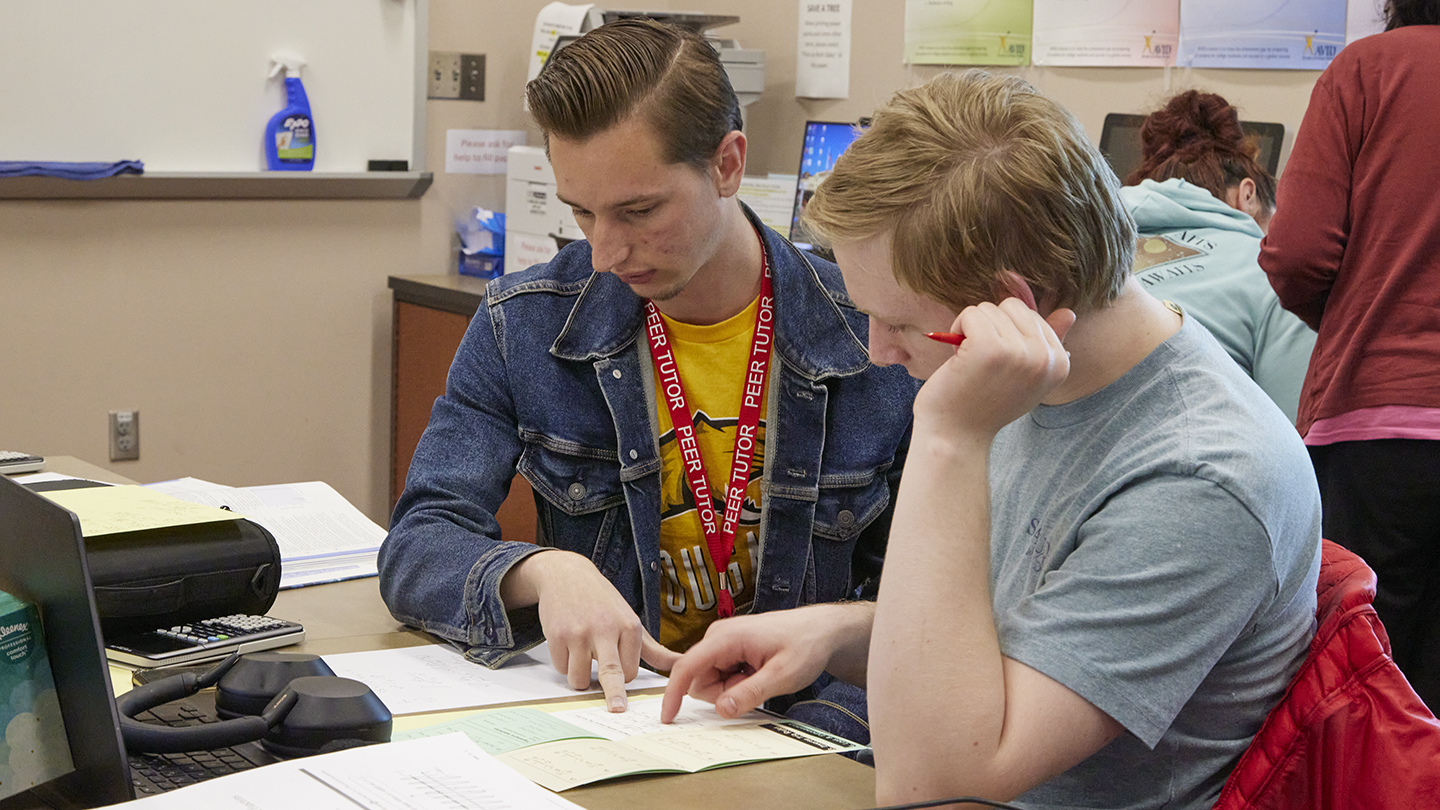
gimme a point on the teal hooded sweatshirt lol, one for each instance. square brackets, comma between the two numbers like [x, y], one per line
[1200, 253]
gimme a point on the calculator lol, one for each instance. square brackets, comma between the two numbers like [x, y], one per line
[14, 463]
[209, 640]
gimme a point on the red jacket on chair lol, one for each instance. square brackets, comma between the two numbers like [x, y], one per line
[1350, 733]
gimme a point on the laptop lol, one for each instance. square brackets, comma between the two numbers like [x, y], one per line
[1120, 142]
[824, 142]
[42, 559]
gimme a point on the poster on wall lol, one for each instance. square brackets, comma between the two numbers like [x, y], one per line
[968, 32]
[1106, 32]
[1272, 34]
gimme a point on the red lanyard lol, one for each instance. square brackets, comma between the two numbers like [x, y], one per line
[719, 540]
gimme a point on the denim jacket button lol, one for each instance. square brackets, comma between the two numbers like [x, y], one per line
[634, 454]
[576, 491]
[846, 518]
[654, 566]
[615, 373]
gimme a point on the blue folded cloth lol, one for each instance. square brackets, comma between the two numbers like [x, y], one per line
[69, 171]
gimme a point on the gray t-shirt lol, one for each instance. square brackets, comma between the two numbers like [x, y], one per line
[1155, 548]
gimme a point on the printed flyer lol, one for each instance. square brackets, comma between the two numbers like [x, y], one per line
[1272, 34]
[1140, 33]
[968, 32]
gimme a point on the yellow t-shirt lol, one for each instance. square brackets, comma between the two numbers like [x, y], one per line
[712, 361]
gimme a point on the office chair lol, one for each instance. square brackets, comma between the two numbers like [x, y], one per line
[1349, 733]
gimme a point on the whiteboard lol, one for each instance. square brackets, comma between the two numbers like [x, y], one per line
[183, 84]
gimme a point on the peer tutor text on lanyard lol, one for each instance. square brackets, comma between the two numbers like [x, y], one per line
[719, 538]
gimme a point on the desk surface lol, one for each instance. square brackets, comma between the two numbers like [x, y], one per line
[350, 617]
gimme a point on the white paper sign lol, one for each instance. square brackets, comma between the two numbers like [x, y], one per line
[479, 151]
[822, 57]
[552, 21]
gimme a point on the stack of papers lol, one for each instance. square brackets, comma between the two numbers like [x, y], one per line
[322, 536]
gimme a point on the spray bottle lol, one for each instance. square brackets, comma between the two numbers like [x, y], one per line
[290, 136]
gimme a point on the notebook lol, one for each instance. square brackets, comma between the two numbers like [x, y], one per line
[42, 559]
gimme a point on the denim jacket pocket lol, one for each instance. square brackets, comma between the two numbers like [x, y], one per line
[843, 512]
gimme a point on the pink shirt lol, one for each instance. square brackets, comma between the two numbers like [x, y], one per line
[1383, 422]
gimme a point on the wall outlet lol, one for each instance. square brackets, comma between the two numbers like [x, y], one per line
[472, 76]
[124, 435]
[444, 76]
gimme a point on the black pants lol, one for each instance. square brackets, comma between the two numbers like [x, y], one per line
[1381, 500]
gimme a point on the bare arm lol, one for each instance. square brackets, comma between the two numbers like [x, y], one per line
[950, 715]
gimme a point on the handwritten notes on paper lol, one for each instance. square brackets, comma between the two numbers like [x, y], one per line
[112, 510]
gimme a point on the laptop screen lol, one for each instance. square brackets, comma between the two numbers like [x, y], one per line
[1121, 144]
[42, 559]
[824, 142]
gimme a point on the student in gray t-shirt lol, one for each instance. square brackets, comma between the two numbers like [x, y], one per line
[1101, 571]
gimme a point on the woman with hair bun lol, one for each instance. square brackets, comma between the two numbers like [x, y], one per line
[1202, 203]
[1356, 254]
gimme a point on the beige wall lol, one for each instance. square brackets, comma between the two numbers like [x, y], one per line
[254, 336]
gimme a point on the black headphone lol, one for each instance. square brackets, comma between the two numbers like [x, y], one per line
[293, 703]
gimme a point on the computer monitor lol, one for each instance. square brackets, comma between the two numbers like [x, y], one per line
[1120, 142]
[824, 142]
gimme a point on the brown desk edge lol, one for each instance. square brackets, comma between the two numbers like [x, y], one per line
[450, 293]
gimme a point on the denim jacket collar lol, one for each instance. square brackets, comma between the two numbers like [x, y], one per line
[608, 316]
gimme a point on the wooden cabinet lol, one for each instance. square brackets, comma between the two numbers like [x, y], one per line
[431, 315]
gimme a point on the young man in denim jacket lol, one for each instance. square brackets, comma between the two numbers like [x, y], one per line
[566, 375]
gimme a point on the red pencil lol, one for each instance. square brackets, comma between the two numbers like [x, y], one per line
[946, 337]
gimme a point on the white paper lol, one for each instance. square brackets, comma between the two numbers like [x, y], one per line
[322, 536]
[822, 55]
[480, 151]
[643, 717]
[552, 21]
[771, 198]
[432, 773]
[1106, 32]
[433, 678]
[1363, 18]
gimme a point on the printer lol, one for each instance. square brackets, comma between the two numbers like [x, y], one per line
[537, 224]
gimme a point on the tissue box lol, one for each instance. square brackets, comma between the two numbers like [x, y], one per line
[35, 748]
[481, 264]
[482, 243]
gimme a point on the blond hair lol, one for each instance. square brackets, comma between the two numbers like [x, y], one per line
[973, 174]
[670, 76]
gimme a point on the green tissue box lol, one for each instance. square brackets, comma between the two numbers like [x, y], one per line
[34, 749]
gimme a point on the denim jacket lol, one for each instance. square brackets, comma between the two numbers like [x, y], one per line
[554, 379]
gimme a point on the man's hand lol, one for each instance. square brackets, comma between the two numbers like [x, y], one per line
[584, 619]
[744, 661]
[1010, 360]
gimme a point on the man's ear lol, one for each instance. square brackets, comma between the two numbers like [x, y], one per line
[1013, 286]
[728, 167]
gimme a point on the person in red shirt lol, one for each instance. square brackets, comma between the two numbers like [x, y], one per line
[1354, 250]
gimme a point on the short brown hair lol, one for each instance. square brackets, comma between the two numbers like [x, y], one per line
[974, 174]
[1197, 137]
[671, 76]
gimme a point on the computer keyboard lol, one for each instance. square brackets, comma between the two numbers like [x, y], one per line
[157, 773]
